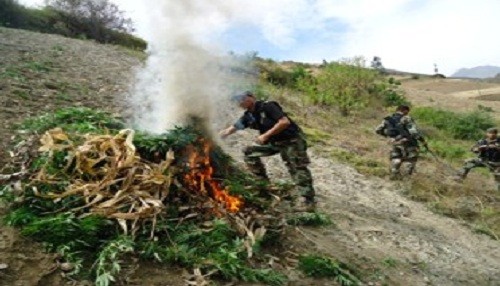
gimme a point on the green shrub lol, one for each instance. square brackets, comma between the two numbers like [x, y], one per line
[469, 125]
[390, 93]
[343, 84]
[279, 77]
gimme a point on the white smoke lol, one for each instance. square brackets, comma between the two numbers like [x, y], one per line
[187, 73]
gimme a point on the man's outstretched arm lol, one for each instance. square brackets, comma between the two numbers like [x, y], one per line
[228, 131]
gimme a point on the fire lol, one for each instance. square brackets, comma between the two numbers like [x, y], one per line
[200, 177]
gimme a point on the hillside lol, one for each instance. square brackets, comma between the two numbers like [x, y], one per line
[454, 94]
[387, 232]
[477, 72]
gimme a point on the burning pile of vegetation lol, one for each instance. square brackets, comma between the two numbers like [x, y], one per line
[93, 191]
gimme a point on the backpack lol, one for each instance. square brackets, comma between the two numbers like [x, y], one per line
[392, 126]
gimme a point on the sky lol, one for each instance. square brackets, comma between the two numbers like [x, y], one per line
[408, 35]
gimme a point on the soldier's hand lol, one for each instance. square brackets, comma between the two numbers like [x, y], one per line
[261, 139]
[224, 133]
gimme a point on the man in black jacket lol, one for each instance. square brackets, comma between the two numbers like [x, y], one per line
[278, 134]
[488, 150]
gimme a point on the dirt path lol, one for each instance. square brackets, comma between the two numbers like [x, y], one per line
[374, 221]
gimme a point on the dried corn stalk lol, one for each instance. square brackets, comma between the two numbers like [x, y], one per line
[109, 176]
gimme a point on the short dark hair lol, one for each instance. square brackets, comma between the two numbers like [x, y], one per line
[492, 130]
[241, 96]
[403, 108]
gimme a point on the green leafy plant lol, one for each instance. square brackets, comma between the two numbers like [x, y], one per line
[74, 119]
[318, 266]
[107, 264]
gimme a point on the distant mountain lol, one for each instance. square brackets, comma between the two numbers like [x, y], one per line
[478, 72]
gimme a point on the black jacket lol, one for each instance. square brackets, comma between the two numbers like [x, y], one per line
[265, 115]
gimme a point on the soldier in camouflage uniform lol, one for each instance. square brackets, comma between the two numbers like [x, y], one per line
[404, 138]
[278, 135]
[488, 150]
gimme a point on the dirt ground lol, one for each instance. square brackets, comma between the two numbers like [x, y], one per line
[454, 94]
[395, 240]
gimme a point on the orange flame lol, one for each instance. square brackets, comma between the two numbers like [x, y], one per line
[200, 177]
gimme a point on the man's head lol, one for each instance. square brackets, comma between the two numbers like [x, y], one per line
[245, 100]
[492, 133]
[404, 109]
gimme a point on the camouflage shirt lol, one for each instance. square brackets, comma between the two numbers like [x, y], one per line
[410, 128]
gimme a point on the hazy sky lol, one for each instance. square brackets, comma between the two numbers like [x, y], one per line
[409, 35]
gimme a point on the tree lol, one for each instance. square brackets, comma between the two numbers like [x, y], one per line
[10, 13]
[377, 64]
[98, 15]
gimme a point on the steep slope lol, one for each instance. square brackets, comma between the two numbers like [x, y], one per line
[40, 73]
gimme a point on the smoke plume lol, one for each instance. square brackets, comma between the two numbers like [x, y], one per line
[187, 72]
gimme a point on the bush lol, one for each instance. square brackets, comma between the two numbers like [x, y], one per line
[390, 93]
[345, 84]
[471, 125]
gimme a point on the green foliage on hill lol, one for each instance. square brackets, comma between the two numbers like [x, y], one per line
[467, 126]
[52, 21]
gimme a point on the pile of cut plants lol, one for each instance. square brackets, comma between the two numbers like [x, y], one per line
[99, 194]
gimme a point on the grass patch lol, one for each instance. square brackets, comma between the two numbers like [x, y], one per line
[362, 164]
[316, 136]
[324, 267]
[448, 150]
[389, 262]
[467, 126]
[13, 73]
[310, 219]
[21, 94]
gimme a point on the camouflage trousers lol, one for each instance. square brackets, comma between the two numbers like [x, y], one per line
[403, 154]
[478, 162]
[294, 154]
